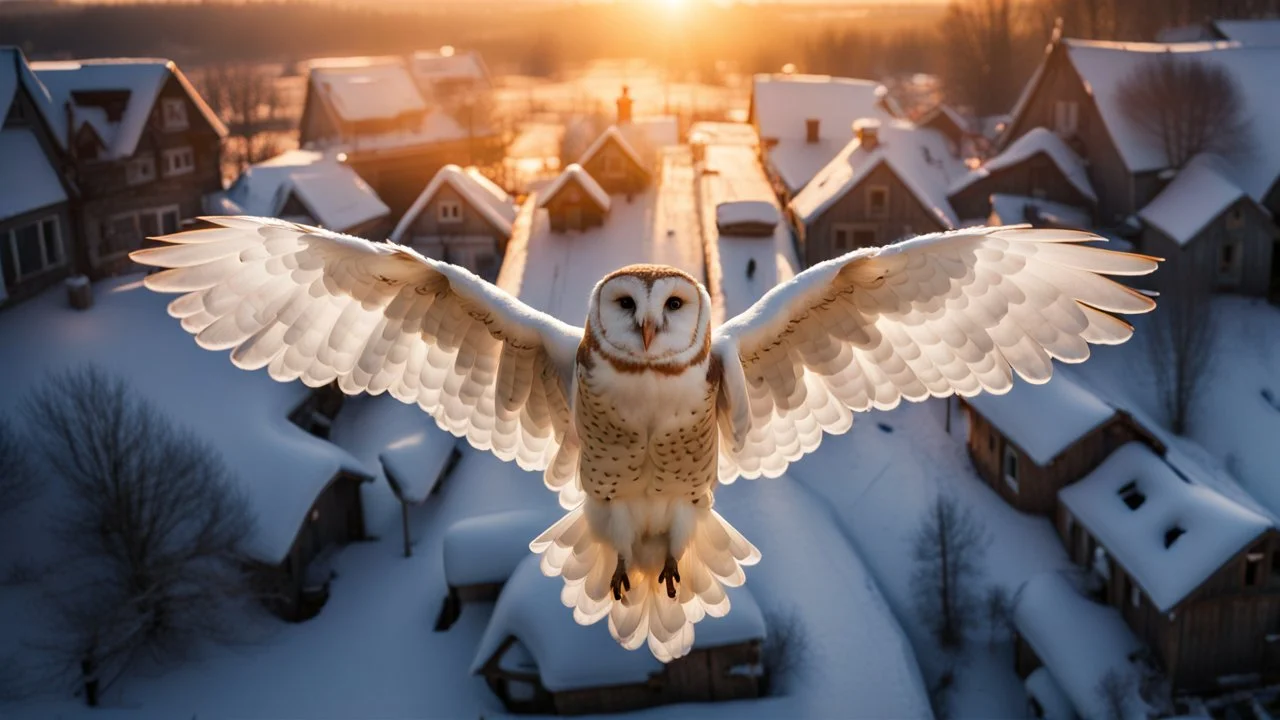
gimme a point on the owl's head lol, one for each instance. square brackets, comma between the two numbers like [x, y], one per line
[650, 314]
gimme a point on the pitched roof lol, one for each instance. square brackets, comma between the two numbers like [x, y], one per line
[365, 88]
[1036, 141]
[28, 181]
[1200, 192]
[336, 197]
[1043, 420]
[143, 78]
[920, 157]
[1169, 534]
[486, 198]
[613, 135]
[16, 73]
[574, 173]
[1250, 32]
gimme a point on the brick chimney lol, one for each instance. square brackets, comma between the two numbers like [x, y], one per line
[811, 130]
[867, 130]
[624, 106]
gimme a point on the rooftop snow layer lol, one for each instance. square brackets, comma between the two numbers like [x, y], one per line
[1012, 210]
[492, 202]
[722, 133]
[746, 213]
[396, 438]
[143, 78]
[570, 656]
[366, 88]
[335, 195]
[1178, 535]
[1043, 420]
[1250, 32]
[488, 548]
[27, 179]
[1078, 640]
[582, 179]
[16, 73]
[1037, 140]
[1200, 192]
[919, 157]
[1055, 703]
[280, 468]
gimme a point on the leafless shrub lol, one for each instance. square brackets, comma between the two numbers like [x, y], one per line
[18, 483]
[948, 549]
[1179, 340]
[999, 606]
[786, 649]
[151, 526]
[245, 97]
[1113, 689]
[1189, 106]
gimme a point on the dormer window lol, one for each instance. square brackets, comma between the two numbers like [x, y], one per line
[878, 201]
[1132, 496]
[139, 170]
[173, 114]
[1011, 467]
[449, 212]
[1171, 536]
[179, 161]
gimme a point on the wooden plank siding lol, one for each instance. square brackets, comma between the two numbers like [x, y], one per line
[904, 216]
[471, 241]
[573, 209]
[1196, 264]
[628, 177]
[1037, 176]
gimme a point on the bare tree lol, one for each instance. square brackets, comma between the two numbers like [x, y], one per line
[1187, 105]
[246, 99]
[978, 37]
[17, 483]
[786, 648]
[999, 606]
[152, 527]
[948, 549]
[1113, 689]
[1179, 339]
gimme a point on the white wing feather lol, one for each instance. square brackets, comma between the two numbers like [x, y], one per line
[939, 314]
[316, 306]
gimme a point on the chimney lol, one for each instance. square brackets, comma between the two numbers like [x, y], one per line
[624, 106]
[811, 130]
[867, 130]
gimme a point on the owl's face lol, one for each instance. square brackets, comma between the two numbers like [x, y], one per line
[650, 314]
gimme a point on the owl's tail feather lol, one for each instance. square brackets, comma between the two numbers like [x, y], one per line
[711, 561]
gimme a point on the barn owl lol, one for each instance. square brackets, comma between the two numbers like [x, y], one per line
[638, 417]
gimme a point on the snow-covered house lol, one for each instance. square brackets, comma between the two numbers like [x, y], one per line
[305, 186]
[1211, 233]
[1036, 439]
[462, 217]
[1193, 573]
[804, 121]
[889, 182]
[481, 553]
[950, 122]
[615, 164]
[1039, 165]
[144, 149]
[536, 658]
[574, 201]
[36, 242]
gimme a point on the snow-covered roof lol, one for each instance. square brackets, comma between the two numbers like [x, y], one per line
[447, 63]
[919, 157]
[1079, 641]
[28, 180]
[569, 656]
[1104, 67]
[654, 131]
[336, 197]
[574, 173]
[1013, 209]
[710, 132]
[612, 134]
[482, 194]
[280, 468]
[1043, 420]
[142, 78]
[488, 548]
[1201, 191]
[746, 214]
[1250, 32]
[398, 440]
[16, 73]
[945, 110]
[1037, 140]
[1054, 704]
[366, 88]
[1178, 534]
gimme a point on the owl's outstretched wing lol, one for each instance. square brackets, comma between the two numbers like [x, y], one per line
[956, 312]
[313, 305]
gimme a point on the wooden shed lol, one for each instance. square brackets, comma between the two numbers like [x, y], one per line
[536, 659]
[1195, 574]
[616, 164]
[1036, 439]
[574, 201]
[1038, 164]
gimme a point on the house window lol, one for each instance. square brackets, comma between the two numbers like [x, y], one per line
[877, 202]
[1011, 467]
[173, 114]
[179, 161]
[35, 248]
[449, 211]
[864, 238]
[139, 170]
[1253, 564]
[1066, 117]
[1131, 495]
[1230, 261]
[841, 240]
[1135, 595]
[126, 231]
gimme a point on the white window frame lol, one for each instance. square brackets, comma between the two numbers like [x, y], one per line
[449, 212]
[1010, 453]
[884, 210]
[173, 114]
[45, 264]
[1066, 117]
[179, 161]
[132, 167]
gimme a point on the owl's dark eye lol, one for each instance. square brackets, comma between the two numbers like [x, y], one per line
[674, 303]
[627, 303]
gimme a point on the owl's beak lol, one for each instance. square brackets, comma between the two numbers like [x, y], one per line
[647, 331]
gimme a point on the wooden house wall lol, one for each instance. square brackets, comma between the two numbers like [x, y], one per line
[472, 223]
[1111, 180]
[633, 178]
[569, 197]
[398, 176]
[1197, 261]
[974, 201]
[905, 216]
[318, 122]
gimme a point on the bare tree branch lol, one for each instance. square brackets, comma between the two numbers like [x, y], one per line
[1180, 341]
[1188, 106]
[18, 483]
[948, 550]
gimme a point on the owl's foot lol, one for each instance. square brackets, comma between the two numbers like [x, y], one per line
[670, 575]
[619, 584]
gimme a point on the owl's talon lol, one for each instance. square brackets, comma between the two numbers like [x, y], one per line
[670, 575]
[620, 581]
